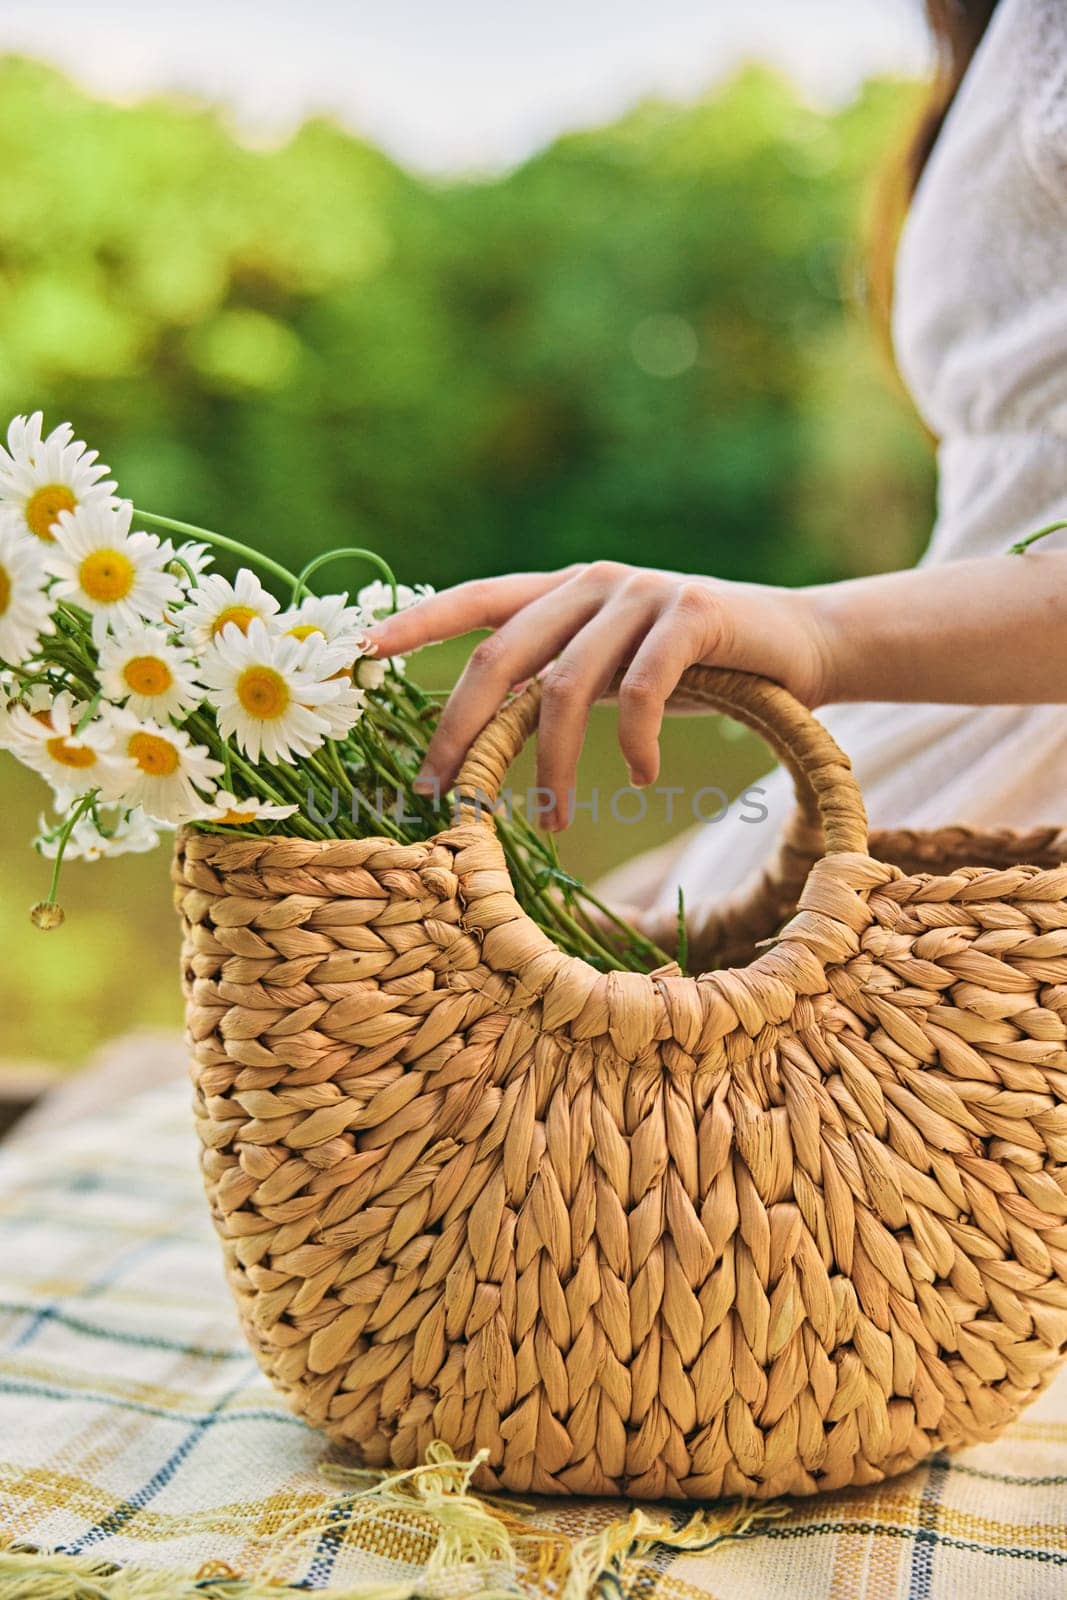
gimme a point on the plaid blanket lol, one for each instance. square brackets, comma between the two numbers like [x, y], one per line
[143, 1455]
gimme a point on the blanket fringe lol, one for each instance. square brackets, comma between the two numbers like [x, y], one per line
[482, 1538]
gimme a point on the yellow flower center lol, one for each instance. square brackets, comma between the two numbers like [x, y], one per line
[235, 818]
[155, 756]
[147, 675]
[304, 630]
[5, 590]
[43, 508]
[107, 576]
[263, 693]
[67, 754]
[242, 615]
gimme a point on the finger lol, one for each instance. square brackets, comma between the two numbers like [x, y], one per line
[573, 684]
[516, 651]
[683, 634]
[482, 603]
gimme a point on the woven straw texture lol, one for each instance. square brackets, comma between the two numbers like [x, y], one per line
[144, 1456]
[784, 1227]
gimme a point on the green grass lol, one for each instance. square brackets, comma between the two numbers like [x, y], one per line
[113, 965]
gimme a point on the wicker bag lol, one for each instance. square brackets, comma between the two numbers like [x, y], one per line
[791, 1225]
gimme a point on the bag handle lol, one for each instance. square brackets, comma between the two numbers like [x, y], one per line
[828, 796]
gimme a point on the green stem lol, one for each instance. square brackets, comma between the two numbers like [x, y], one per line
[638, 940]
[352, 551]
[335, 766]
[1024, 544]
[256, 557]
[683, 932]
[84, 804]
[203, 729]
[180, 561]
[76, 676]
[90, 712]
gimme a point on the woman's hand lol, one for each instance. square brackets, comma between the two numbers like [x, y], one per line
[588, 628]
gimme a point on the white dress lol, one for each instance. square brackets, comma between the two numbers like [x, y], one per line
[980, 330]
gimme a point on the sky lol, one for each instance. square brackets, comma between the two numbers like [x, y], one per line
[457, 85]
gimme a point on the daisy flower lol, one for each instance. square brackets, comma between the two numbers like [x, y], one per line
[343, 712]
[270, 692]
[375, 600]
[226, 808]
[115, 575]
[161, 769]
[42, 477]
[371, 673]
[25, 610]
[16, 698]
[154, 677]
[320, 659]
[112, 831]
[329, 618]
[194, 557]
[216, 603]
[47, 741]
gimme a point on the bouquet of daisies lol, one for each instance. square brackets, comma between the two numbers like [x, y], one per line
[150, 691]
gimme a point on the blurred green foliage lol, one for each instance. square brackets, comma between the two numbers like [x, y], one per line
[637, 345]
[645, 343]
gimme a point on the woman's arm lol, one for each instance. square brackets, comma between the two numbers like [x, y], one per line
[987, 632]
[990, 631]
